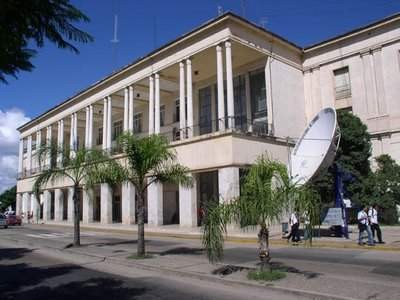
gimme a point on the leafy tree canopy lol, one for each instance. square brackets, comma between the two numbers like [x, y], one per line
[26, 23]
[7, 198]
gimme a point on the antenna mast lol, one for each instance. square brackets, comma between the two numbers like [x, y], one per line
[115, 40]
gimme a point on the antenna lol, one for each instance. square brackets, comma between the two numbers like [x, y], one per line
[263, 22]
[115, 40]
[220, 10]
[243, 5]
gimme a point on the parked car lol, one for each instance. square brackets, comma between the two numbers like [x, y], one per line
[14, 220]
[3, 221]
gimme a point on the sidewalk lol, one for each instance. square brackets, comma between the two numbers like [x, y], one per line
[312, 272]
[391, 235]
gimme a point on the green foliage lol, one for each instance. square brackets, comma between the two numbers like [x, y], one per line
[267, 193]
[24, 23]
[8, 198]
[136, 256]
[353, 156]
[383, 188]
[266, 275]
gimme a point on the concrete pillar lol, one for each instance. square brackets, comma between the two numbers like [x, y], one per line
[182, 101]
[229, 86]
[29, 154]
[189, 95]
[188, 205]
[20, 157]
[46, 206]
[90, 143]
[105, 112]
[87, 120]
[228, 184]
[105, 203]
[155, 204]
[71, 137]
[268, 96]
[60, 140]
[35, 209]
[126, 108]
[128, 203]
[70, 213]
[131, 110]
[38, 145]
[88, 199]
[58, 205]
[157, 104]
[220, 90]
[109, 123]
[151, 105]
[18, 204]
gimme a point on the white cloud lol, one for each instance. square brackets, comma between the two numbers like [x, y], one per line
[9, 140]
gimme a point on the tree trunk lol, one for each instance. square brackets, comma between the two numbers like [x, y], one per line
[263, 240]
[140, 222]
[77, 233]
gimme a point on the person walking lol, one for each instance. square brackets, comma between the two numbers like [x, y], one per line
[373, 218]
[294, 228]
[363, 225]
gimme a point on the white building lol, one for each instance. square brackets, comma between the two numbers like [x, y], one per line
[237, 91]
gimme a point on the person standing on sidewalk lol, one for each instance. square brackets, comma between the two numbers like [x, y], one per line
[294, 228]
[373, 218]
[363, 225]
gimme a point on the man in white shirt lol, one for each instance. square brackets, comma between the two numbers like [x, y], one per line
[373, 219]
[363, 225]
[294, 228]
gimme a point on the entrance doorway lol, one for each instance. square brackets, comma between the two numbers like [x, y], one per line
[170, 204]
[208, 193]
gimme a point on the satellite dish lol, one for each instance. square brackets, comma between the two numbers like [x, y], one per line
[316, 148]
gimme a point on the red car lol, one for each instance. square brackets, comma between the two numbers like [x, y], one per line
[13, 220]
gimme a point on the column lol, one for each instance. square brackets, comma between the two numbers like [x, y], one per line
[109, 123]
[29, 155]
[60, 139]
[75, 131]
[71, 136]
[70, 212]
[105, 112]
[90, 144]
[189, 95]
[131, 110]
[18, 204]
[155, 204]
[188, 205]
[268, 96]
[151, 105]
[128, 203]
[25, 210]
[157, 104]
[126, 108]
[105, 203]
[182, 102]
[20, 158]
[87, 111]
[228, 184]
[48, 144]
[229, 86]
[58, 205]
[220, 90]
[38, 145]
[46, 206]
[34, 208]
[87, 208]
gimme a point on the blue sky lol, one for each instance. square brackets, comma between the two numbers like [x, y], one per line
[145, 25]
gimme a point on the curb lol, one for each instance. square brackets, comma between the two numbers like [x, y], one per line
[166, 271]
[233, 239]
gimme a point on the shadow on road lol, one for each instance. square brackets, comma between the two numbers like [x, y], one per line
[13, 253]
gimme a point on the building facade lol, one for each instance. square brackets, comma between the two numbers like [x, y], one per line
[222, 95]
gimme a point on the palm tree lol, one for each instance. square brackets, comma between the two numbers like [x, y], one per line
[76, 166]
[267, 193]
[148, 160]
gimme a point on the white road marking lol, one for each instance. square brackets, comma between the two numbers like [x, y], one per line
[55, 235]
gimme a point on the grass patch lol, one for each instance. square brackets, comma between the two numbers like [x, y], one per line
[266, 275]
[135, 256]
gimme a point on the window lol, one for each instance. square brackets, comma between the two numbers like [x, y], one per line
[100, 136]
[117, 129]
[176, 113]
[137, 123]
[162, 115]
[342, 83]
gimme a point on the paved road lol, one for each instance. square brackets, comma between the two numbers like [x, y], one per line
[25, 273]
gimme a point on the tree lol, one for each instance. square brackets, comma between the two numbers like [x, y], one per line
[78, 167]
[383, 188]
[353, 156]
[23, 23]
[7, 198]
[148, 160]
[267, 193]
